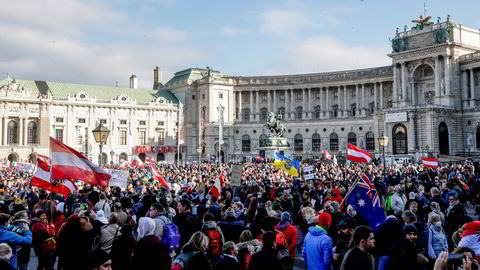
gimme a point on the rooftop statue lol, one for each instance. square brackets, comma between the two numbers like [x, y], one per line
[422, 21]
[277, 129]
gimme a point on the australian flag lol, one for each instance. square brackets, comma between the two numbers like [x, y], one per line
[364, 198]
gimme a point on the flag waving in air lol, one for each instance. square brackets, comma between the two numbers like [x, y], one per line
[292, 167]
[358, 155]
[327, 155]
[42, 178]
[364, 198]
[430, 162]
[68, 163]
[157, 176]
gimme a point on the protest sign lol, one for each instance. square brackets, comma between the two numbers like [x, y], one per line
[119, 178]
[24, 167]
[236, 175]
[308, 172]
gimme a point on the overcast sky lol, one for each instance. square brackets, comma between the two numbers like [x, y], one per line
[104, 41]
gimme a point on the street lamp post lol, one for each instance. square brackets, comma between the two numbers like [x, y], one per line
[383, 142]
[221, 110]
[100, 134]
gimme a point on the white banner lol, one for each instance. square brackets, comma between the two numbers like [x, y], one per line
[119, 178]
[308, 172]
[396, 117]
[237, 175]
[24, 167]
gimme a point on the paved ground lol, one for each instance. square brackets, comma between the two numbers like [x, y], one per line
[299, 263]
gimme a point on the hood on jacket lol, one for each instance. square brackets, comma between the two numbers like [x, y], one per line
[209, 225]
[317, 231]
[255, 243]
[282, 225]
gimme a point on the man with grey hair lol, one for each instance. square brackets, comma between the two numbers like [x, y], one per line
[109, 233]
[5, 256]
[398, 201]
[229, 258]
[122, 216]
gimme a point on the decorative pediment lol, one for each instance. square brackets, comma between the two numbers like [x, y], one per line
[82, 96]
[12, 88]
[123, 98]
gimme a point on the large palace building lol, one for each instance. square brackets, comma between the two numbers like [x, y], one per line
[426, 101]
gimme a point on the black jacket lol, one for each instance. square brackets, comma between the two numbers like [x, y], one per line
[356, 259]
[265, 259]
[387, 234]
[231, 229]
[227, 263]
[404, 256]
[187, 224]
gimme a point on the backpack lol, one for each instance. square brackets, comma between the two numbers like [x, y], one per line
[214, 239]
[171, 236]
[182, 261]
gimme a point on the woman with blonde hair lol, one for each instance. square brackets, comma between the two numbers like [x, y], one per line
[247, 245]
[437, 240]
[193, 254]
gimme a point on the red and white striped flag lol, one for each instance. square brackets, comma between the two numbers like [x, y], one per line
[430, 162]
[358, 155]
[68, 163]
[156, 176]
[327, 155]
[42, 178]
[136, 162]
[217, 187]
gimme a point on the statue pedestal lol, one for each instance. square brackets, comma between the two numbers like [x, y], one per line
[273, 145]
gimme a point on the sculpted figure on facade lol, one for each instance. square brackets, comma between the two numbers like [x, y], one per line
[276, 128]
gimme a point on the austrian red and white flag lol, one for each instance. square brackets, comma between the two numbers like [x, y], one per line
[42, 178]
[157, 176]
[68, 163]
[136, 162]
[327, 155]
[358, 155]
[217, 187]
[430, 162]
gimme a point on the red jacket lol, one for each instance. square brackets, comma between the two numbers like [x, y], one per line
[290, 233]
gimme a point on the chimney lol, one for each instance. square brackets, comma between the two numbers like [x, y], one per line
[157, 78]
[133, 82]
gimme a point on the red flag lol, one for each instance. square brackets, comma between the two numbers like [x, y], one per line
[42, 178]
[358, 155]
[430, 162]
[156, 176]
[327, 155]
[217, 187]
[67, 163]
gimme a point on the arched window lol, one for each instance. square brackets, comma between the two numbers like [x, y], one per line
[478, 137]
[333, 142]
[370, 141]
[245, 114]
[316, 142]
[12, 132]
[263, 140]
[299, 112]
[399, 141]
[352, 138]
[263, 114]
[160, 157]
[317, 112]
[246, 145]
[298, 143]
[32, 133]
[281, 111]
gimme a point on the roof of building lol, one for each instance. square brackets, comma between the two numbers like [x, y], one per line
[59, 89]
[185, 76]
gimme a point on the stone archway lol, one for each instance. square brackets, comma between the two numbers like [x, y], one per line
[399, 140]
[443, 139]
[423, 85]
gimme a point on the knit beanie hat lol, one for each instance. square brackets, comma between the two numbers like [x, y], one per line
[409, 228]
[324, 220]
[96, 258]
[285, 216]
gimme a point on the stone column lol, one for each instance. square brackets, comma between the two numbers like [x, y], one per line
[274, 101]
[287, 104]
[395, 84]
[251, 108]
[446, 60]
[320, 90]
[464, 88]
[472, 89]
[437, 76]
[327, 102]
[20, 133]
[257, 101]
[357, 100]
[404, 81]
[239, 105]
[381, 95]
[292, 110]
[304, 100]
[25, 131]
[269, 107]
[411, 133]
[375, 89]
[310, 109]
[5, 131]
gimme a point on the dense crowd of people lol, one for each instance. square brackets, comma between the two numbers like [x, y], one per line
[266, 223]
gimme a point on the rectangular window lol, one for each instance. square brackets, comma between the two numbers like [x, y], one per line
[103, 121]
[81, 120]
[317, 96]
[282, 97]
[299, 97]
[142, 123]
[123, 137]
[203, 96]
[161, 137]
[193, 97]
[264, 97]
[123, 122]
[220, 96]
[59, 134]
[141, 137]
[160, 123]
[59, 120]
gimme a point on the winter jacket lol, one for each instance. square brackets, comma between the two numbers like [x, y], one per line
[192, 259]
[245, 251]
[455, 218]
[386, 235]
[107, 235]
[290, 233]
[265, 259]
[404, 256]
[215, 245]
[13, 239]
[187, 224]
[398, 203]
[473, 242]
[437, 241]
[160, 221]
[318, 249]
[358, 260]
[103, 205]
[231, 229]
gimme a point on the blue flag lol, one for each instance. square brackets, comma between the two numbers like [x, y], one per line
[364, 198]
[292, 167]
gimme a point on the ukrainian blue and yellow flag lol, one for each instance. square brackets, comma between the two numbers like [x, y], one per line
[292, 167]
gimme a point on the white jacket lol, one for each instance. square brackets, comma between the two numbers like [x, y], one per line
[398, 204]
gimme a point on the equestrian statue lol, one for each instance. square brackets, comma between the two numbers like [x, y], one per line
[277, 129]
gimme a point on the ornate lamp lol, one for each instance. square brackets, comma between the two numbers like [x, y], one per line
[100, 134]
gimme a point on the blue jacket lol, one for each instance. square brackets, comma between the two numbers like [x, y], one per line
[437, 241]
[318, 249]
[13, 239]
